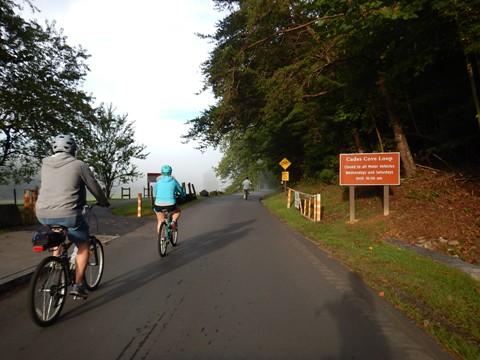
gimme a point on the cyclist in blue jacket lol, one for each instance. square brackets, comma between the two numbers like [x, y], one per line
[165, 190]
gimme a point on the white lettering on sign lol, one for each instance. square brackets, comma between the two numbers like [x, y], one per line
[370, 158]
[370, 169]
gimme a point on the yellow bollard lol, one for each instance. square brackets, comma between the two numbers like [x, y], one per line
[139, 207]
[289, 198]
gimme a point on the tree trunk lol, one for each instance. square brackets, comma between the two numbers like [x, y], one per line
[379, 136]
[400, 139]
[358, 142]
[473, 87]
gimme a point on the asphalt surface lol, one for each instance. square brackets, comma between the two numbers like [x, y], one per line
[240, 284]
[18, 260]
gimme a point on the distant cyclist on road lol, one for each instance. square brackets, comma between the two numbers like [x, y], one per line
[61, 199]
[246, 186]
[164, 193]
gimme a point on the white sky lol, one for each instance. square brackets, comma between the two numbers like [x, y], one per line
[145, 60]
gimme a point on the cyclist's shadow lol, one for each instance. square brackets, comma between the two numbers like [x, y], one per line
[186, 251]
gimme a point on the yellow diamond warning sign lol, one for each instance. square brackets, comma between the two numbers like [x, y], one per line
[285, 163]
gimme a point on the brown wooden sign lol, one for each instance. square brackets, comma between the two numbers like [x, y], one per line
[152, 177]
[370, 169]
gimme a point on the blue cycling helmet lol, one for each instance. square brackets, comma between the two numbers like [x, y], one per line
[166, 170]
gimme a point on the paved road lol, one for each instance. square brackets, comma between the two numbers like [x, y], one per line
[240, 285]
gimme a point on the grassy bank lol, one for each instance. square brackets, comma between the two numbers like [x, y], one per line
[442, 300]
[131, 209]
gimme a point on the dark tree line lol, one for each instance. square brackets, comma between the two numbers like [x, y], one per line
[308, 80]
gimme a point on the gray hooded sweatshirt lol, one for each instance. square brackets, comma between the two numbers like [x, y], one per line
[64, 181]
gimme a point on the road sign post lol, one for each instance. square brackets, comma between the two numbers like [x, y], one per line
[285, 163]
[369, 169]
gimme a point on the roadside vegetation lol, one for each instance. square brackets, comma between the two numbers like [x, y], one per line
[41, 90]
[309, 80]
[147, 211]
[442, 300]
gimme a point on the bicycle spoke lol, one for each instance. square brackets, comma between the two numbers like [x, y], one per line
[47, 291]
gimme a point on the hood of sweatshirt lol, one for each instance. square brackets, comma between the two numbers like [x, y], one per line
[58, 160]
[166, 178]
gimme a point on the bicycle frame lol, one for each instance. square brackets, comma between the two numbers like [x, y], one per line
[166, 234]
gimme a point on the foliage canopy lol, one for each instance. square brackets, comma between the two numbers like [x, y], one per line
[110, 148]
[40, 97]
[308, 80]
[40, 75]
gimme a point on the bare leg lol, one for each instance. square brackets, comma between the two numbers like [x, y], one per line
[160, 219]
[175, 216]
[81, 261]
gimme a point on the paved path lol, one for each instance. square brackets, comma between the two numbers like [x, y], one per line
[18, 260]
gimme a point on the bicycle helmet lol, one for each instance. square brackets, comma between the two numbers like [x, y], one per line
[64, 143]
[166, 170]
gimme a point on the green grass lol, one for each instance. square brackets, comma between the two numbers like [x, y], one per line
[131, 209]
[442, 300]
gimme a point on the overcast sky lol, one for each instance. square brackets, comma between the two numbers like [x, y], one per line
[145, 60]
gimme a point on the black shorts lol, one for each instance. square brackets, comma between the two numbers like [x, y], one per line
[165, 208]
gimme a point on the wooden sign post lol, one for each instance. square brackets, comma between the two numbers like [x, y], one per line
[370, 169]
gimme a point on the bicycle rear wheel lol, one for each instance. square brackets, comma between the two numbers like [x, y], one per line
[162, 240]
[94, 270]
[48, 291]
[174, 236]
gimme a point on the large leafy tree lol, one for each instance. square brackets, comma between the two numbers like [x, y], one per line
[110, 148]
[311, 79]
[40, 96]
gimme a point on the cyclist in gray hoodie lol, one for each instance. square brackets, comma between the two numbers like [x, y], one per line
[62, 196]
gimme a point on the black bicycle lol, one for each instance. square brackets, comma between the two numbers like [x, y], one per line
[49, 284]
[166, 234]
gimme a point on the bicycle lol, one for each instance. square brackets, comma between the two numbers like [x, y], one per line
[245, 194]
[49, 284]
[166, 234]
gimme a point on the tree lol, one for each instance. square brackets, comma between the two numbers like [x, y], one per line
[465, 15]
[40, 75]
[311, 79]
[110, 148]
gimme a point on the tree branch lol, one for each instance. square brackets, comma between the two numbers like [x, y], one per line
[285, 31]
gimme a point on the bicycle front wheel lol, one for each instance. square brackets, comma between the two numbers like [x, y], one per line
[48, 291]
[162, 240]
[94, 270]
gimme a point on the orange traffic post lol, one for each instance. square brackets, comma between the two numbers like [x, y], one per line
[289, 198]
[139, 207]
[318, 208]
